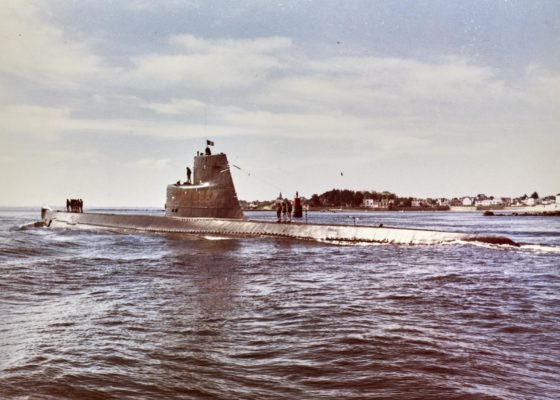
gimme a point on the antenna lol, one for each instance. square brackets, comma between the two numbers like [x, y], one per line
[205, 122]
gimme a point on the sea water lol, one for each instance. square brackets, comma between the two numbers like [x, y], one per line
[108, 315]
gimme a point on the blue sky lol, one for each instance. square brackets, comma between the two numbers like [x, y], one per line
[109, 101]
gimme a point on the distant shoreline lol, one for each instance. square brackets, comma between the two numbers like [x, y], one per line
[523, 214]
[455, 209]
[538, 209]
[357, 209]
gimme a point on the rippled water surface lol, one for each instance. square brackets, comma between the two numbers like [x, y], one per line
[132, 316]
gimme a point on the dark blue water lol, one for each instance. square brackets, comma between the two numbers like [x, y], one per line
[130, 316]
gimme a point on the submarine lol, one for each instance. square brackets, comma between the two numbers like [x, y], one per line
[209, 205]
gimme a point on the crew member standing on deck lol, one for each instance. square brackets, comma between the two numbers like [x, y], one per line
[289, 210]
[189, 172]
[284, 211]
[278, 212]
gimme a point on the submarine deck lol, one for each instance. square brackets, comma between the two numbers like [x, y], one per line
[237, 227]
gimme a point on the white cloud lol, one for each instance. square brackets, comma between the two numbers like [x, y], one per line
[257, 86]
[382, 85]
[356, 96]
[49, 123]
[282, 124]
[151, 6]
[210, 64]
[149, 163]
[38, 51]
[263, 45]
[544, 87]
[46, 122]
[179, 107]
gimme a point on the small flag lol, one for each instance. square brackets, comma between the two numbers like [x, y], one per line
[209, 142]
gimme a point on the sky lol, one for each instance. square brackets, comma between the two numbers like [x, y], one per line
[109, 101]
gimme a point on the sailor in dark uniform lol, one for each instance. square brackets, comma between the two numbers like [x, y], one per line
[289, 210]
[189, 172]
[278, 212]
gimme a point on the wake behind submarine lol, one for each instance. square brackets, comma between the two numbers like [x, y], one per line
[209, 205]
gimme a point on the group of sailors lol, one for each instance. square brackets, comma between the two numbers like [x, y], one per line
[284, 211]
[206, 152]
[75, 205]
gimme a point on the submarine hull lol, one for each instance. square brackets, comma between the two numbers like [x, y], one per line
[235, 227]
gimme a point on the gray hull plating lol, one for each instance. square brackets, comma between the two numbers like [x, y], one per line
[232, 227]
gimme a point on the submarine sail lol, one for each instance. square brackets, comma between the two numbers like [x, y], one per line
[211, 194]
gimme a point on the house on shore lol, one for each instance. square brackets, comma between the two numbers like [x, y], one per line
[416, 203]
[372, 203]
[532, 202]
[488, 202]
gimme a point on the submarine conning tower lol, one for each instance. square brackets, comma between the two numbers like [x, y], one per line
[211, 194]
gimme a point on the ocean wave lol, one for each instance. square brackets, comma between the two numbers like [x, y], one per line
[214, 237]
[31, 225]
[541, 248]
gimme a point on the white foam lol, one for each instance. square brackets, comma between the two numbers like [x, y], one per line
[208, 237]
[487, 245]
[532, 247]
[351, 243]
[541, 248]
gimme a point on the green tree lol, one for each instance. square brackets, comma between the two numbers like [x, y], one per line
[358, 199]
[315, 200]
[406, 202]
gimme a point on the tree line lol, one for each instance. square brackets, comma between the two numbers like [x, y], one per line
[350, 198]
